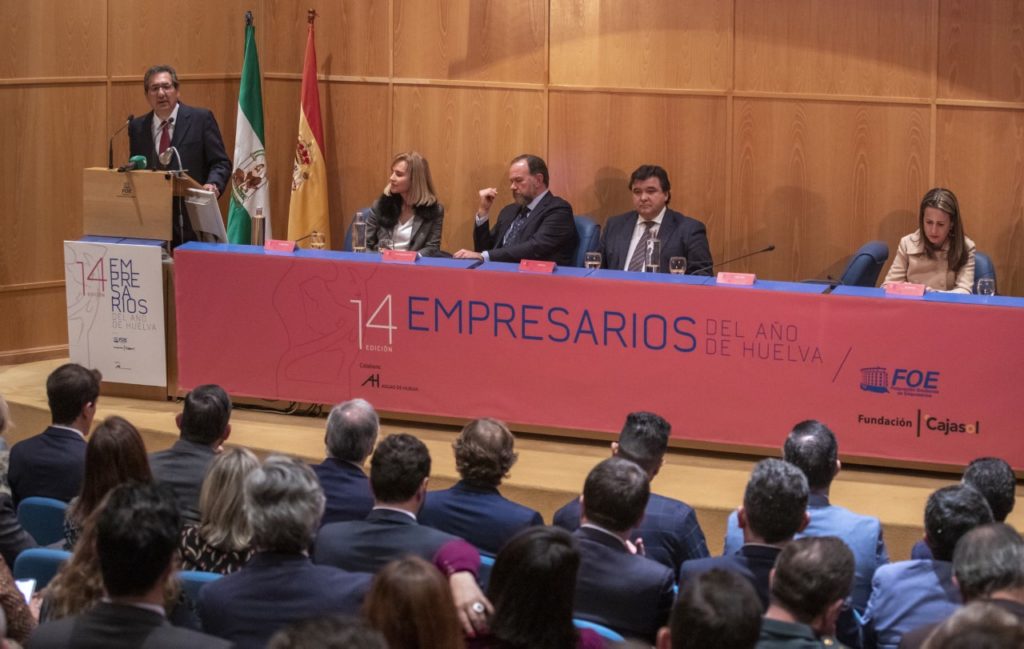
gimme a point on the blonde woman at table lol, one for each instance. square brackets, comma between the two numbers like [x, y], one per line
[407, 216]
[938, 254]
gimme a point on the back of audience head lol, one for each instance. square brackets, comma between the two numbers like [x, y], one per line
[71, 391]
[328, 632]
[775, 501]
[989, 560]
[352, 429]
[224, 522]
[811, 580]
[114, 455]
[399, 469]
[284, 502]
[979, 625]
[644, 440]
[994, 479]
[484, 452]
[532, 586]
[615, 495]
[718, 609]
[204, 417]
[411, 605]
[950, 513]
[812, 447]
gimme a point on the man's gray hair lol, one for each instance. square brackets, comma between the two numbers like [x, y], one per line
[987, 559]
[284, 503]
[352, 429]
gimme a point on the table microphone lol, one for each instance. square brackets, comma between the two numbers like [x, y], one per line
[134, 162]
[110, 145]
[698, 269]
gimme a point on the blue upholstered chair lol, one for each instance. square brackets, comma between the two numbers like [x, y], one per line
[43, 518]
[486, 565]
[40, 564]
[590, 238]
[866, 265]
[983, 269]
[602, 631]
[193, 580]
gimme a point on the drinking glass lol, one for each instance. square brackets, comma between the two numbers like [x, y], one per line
[677, 265]
[652, 259]
[592, 260]
[987, 286]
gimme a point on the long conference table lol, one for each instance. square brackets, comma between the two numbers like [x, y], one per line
[937, 380]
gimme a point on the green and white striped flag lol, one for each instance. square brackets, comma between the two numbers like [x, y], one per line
[249, 181]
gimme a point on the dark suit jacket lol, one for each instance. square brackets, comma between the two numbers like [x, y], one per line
[625, 592]
[199, 143]
[365, 546]
[347, 490]
[110, 626]
[426, 234]
[478, 514]
[13, 537]
[50, 464]
[755, 562]
[549, 234]
[680, 236]
[273, 590]
[183, 467]
[669, 529]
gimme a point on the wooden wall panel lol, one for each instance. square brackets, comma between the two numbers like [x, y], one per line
[33, 319]
[485, 40]
[818, 179]
[598, 139]
[867, 47]
[676, 44]
[52, 38]
[468, 136]
[981, 50]
[980, 156]
[351, 37]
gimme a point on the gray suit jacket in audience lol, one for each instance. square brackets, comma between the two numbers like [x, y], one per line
[183, 467]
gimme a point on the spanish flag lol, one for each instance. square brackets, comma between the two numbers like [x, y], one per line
[307, 210]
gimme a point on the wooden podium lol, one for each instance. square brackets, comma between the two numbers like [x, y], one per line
[132, 204]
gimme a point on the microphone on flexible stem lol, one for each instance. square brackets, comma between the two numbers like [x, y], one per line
[767, 248]
[110, 145]
[168, 154]
[134, 162]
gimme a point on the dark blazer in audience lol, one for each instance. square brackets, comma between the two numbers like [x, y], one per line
[13, 537]
[753, 561]
[478, 514]
[347, 490]
[50, 465]
[386, 534]
[625, 592]
[272, 591]
[183, 467]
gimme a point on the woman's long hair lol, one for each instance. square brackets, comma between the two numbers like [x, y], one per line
[224, 522]
[421, 190]
[945, 200]
[410, 603]
[114, 455]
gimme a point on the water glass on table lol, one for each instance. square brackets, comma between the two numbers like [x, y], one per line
[677, 265]
[592, 260]
[987, 286]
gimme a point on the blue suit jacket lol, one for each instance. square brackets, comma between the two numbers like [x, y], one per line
[273, 590]
[680, 236]
[906, 595]
[753, 561]
[50, 465]
[365, 546]
[549, 234]
[347, 490]
[625, 592]
[183, 467]
[478, 514]
[669, 529]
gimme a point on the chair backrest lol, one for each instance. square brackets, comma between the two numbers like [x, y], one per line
[866, 264]
[193, 580]
[347, 247]
[43, 518]
[486, 565]
[983, 269]
[590, 238]
[601, 630]
[40, 564]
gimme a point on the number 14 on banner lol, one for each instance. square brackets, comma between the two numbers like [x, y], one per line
[372, 322]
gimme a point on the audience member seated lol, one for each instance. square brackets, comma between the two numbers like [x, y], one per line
[352, 429]
[473, 509]
[995, 480]
[328, 632]
[715, 610]
[988, 565]
[221, 540]
[410, 604]
[908, 594]
[115, 455]
[774, 510]
[279, 585]
[812, 448]
[669, 529]
[13, 537]
[399, 472]
[204, 425]
[616, 588]
[809, 585]
[52, 463]
[980, 625]
[19, 619]
[136, 541]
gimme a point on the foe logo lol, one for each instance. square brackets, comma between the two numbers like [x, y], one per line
[915, 380]
[907, 382]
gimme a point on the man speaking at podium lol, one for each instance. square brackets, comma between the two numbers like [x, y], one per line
[192, 131]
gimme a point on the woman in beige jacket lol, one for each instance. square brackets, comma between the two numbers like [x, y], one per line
[938, 254]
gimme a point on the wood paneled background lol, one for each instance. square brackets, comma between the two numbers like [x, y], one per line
[814, 125]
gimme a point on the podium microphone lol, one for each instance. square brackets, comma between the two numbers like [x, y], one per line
[767, 248]
[169, 153]
[110, 145]
[134, 162]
